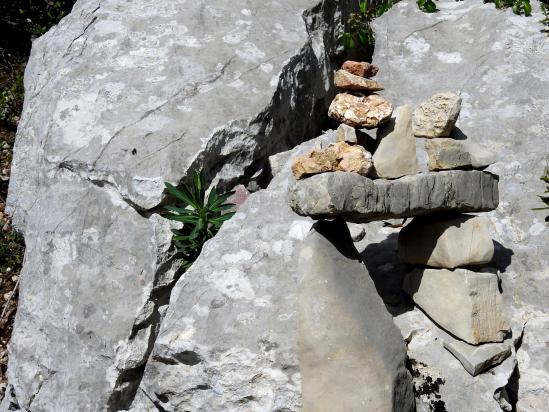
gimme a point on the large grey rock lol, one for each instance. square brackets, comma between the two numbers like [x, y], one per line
[395, 155]
[121, 96]
[253, 325]
[477, 359]
[357, 198]
[502, 77]
[446, 241]
[467, 304]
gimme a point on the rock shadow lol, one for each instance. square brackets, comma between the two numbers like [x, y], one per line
[387, 272]
[502, 257]
[457, 134]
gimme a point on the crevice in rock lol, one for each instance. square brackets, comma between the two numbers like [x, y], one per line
[507, 396]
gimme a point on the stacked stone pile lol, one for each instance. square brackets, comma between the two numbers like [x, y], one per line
[418, 168]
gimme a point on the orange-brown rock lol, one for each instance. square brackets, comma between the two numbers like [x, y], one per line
[339, 156]
[348, 81]
[362, 69]
[360, 111]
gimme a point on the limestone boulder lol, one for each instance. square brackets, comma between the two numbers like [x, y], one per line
[362, 69]
[478, 359]
[446, 241]
[446, 154]
[348, 81]
[337, 156]
[360, 111]
[436, 116]
[120, 97]
[276, 314]
[358, 199]
[395, 155]
[467, 304]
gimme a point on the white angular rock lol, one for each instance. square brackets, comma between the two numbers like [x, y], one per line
[395, 155]
[346, 133]
[446, 241]
[357, 231]
[478, 359]
[467, 304]
[436, 116]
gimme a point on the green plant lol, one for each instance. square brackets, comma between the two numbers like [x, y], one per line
[518, 6]
[428, 6]
[545, 195]
[201, 215]
[545, 11]
[11, 101]
[359, 30]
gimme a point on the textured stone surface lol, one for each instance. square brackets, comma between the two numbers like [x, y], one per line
[360, 111]
[362, 69]
[467, 304]
[337, 156]
[395, 155]
[121, 96]
[436, 116]
[360, 199]
[446, 241]
[477, 359]
[348, 81]
[231, 338]
[502, 78]
[357, 231]
[447, 154]
[346, 133]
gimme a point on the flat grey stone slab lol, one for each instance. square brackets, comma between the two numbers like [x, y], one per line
[477, 359]
[360, 199]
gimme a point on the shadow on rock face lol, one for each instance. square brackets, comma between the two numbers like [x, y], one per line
[337, 233]
[457, 134]
[381, 260]
[502, 257]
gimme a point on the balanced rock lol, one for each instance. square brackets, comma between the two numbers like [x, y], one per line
[348, 81]
[395, 155]
[446, 241]
[362, 69]
[360, 111]
[436, 117]
[346, 133]
[466, 304]
[358, 199]
[478, 359]
[446, 154]
[337, 156]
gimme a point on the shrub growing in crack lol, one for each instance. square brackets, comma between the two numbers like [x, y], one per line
[359, 30]
[201, 216]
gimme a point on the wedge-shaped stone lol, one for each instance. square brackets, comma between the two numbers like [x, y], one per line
[348, 81]
[467, 304]
[396, 154]
[358, 199]
[360, 111]
[446, 241]
[478, 359]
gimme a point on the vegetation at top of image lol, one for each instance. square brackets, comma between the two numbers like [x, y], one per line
[427, 6]
[545, 11]
[518, 6]
[34, 17]
[359, 31]
[545, 195]
[201, 215]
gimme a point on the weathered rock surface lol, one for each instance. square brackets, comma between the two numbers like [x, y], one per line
[337, 156]
[446, 241]
[360, 111]
[395, 155]
[447, 154]
[357, 231]
[362, 69]
[359, 199]
[348, 81]
[436, 116]
[237, 332]
[120, 97]
[478, 359]
[346, 133]
[467, 304]
[502, 78]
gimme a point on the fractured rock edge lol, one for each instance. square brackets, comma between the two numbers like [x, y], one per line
[213, 158]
